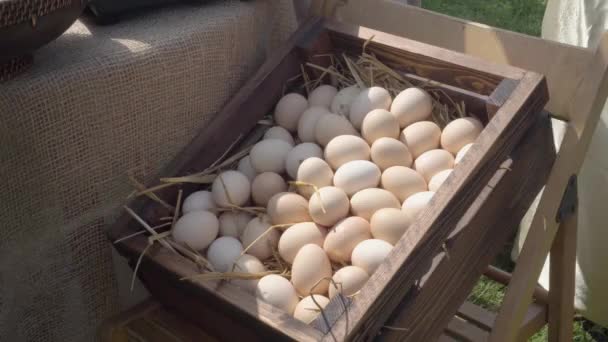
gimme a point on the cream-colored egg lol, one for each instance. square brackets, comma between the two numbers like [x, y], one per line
[308, 123]
[342, 238]
[460, 132]
[278, 132]
[223, 253]
[347, 281]
[345, 148]
[389, 224]
[198, 200]
[343, 99]
[328, 206]
[331, 126]
[357, 175]
[322, 95]
[387, 152]
[369, 254]
[288, 111]
[308, 309]
[438, 179]
[311, 270]
[299, 154]
[246, 168]
[463, 151]
[415, 204]
[314, 171]
[269, 155]
[412, 105]
[368, 100]
[248, 264]
[261, 249]
[299, 235]
[197, 229]
[265, 185]
[379, 123]
[233, 223]
[366, 202]
[432, 162]
[231, 188]
[420, 137]
[287, 207]
[277, 291]
[402, 181]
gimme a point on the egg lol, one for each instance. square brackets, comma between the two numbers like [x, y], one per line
[287, 207]
[277, 291]
[432, 162]
[347, 281]
[313, 171]
[387, 152]
[343, 99]
[265, 185]
[308, 309]
[261, 249]
[416, 203]
[379, 123]
[246, 168]
[198, 200]
[438, 179]
[299, 154]
[196, 229]
[223, 253]
[299, 235]
[308, 123]
[280, 133]
[345, 148]
[366, 202]
[369, 254]
[357, 175]
[311, 270]
[269, 155]
[342, 238]
[328, 206]
[368, 100]
[322, 95]
[231, 188]
[288, 111]
[420, 137]
[402, 182]
[460, 132]
[389, 224]
[233, 223]
[412, 105]
[330, 126]
[463, 151]
[248, 264]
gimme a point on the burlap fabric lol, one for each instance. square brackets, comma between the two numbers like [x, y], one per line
[98, 104]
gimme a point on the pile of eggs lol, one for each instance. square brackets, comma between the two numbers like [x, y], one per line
[364, 166]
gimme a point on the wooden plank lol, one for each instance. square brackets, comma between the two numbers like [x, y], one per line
[499, 96]
[477, 315]
[446, 338]
[503, 277]
[112, 329]
[465, 331]
[179, 327]
[534, 320]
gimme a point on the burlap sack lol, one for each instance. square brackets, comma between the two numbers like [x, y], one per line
[100, 103]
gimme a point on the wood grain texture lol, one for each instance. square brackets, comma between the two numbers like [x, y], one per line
[499, 96]
[463, 330]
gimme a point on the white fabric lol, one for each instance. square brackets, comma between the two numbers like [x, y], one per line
[581, 22]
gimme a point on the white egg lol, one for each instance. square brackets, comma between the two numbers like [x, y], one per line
[231, 188]
[277, 291]
[347, 281]
[269, 155]
[322, 95]
[412, 105]
[261, 249]
[299, 154]
[278, 132]
[246, 168]
[387, 152]
[345, 148]
[367, 201]
[342, 238]
[233, 223]
[223, 253]
[389, 224]
[287, 207]
[402, 181]
[311, 270]
[369, 254]
[343, 99]
[248, 264]
[463, 151]
[308, 123]
[416, 203]
[357, 175]
[368, 100]
[432, 162]
[379, 123]
[265, 185]
[438, 179]
[420, 137]
[308, 309]
[330, 126]
[197, 229]
[198, 200]
[313, 171]
[328, 206]
[299, 235]
[459, 133]
[288, 111]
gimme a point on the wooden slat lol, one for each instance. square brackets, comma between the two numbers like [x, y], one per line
[503, 277]
[477, 315]
[499, 96]
[534, 320]
[465, 331]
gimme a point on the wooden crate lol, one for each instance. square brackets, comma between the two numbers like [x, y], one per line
[481, 192]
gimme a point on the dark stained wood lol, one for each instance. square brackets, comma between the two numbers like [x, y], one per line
[477, 315]
[496, 274]
[317, 52]
[462, 330]
[499, 96]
